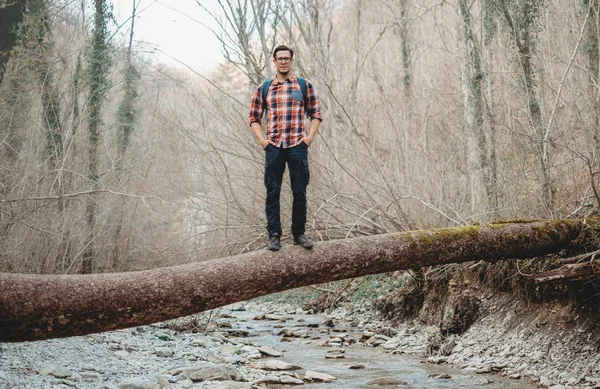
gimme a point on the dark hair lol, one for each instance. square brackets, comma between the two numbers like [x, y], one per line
[282, 48]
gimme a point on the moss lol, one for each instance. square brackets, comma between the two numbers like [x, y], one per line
[430, 238]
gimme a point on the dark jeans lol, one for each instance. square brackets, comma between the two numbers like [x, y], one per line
[297, 161]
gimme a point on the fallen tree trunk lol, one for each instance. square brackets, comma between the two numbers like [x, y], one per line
[572, 272]
[36, 307]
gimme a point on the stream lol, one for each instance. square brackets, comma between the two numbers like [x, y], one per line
[309, 354]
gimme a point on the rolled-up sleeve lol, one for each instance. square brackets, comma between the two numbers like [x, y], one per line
[256, 106]
[313, 104]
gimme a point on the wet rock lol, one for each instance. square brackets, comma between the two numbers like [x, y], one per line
[386, 382]
[439, 376]
[55, 371]
[356, 367]
[318, 377]
[335, 356]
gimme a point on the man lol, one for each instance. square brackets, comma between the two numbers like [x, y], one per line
[287, 100]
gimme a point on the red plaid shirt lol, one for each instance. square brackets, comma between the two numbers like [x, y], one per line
[285, 110]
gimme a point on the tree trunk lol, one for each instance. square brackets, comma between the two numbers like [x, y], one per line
[472, 80]
[36, 307]
[11, 16]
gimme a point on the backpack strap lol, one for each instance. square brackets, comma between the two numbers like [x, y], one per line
[265, 90]
[267, 84]
[302, 82]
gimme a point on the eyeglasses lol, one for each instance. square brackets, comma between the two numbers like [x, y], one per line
[283, 59]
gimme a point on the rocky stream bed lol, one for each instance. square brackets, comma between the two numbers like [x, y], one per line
[258, 344]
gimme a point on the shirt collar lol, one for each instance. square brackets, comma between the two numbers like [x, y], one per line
[292, 78]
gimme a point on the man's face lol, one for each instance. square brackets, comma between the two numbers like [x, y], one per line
[283, 61]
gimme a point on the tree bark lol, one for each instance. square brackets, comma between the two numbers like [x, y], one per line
[34, 307]
[571, 272]
[11, 16]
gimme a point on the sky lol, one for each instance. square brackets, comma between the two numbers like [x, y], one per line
[179, 28]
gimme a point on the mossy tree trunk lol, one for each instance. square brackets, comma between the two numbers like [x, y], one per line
[99, 65]
[472, 86]
[11, 16]
[41, 307]
[522, 18]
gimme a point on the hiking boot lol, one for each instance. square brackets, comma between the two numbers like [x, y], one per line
[303, 241]
[274, 243]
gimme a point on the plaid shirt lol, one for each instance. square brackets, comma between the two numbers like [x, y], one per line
[285, 110]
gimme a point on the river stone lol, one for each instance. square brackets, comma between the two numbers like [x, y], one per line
[269, 351]
[90, 375]
[287, 380]
[273, 364]
[229, 349]
[55, 371]
[216, 373]
[448, 347]
[137, 383]
[386, 382]
[235, 385]
[545, 382]
[268, 379]
[318, 377]
[357, 367]
[335, 356]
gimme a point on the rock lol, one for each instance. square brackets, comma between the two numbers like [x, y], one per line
[55, 371]
[163, 382]
[287, 380]
[275, 365]
[356, 367]
[318, 377]
[439, 376]
[229, 349]
[448, 347]
[437, 360]
[121, 354]
[268, 380]
[235, 385]
[545, 382]
[164, 352]
[216, 373]
[335, 356]
[386, 382]
[270, 351]
[137, 383]
[367, 335]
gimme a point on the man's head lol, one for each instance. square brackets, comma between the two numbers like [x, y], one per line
[283, 57]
